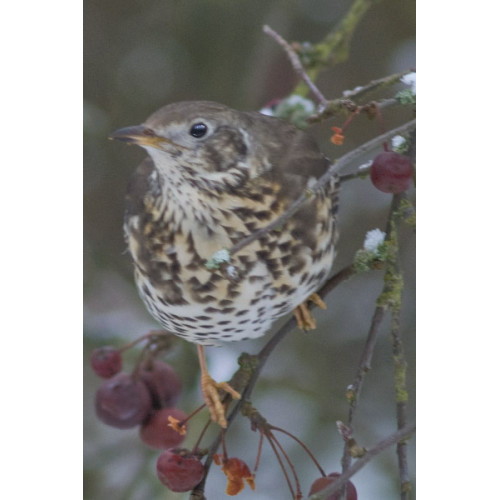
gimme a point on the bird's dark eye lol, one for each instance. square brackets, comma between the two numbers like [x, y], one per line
[198, 130]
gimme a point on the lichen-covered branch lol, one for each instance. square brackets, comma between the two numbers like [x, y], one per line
[389, 299]
[334, 48]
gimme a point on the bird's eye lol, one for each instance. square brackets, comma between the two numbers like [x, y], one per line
[198, 130]
[148, 131]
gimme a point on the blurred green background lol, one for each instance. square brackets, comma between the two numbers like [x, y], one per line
[140, 55]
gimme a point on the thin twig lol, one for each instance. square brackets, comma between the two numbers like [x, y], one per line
[346, 102]
[375, 84]
[303, 446]
[354, 390]
[396, 437]
[296, 64]
[366, 360]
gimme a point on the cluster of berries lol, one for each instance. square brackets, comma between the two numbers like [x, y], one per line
[147, 398]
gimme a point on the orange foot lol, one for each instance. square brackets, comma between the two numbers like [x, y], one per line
[211, 392]
[305, 320]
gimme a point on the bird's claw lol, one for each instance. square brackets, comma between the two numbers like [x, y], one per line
[305, 320]
[210, 390]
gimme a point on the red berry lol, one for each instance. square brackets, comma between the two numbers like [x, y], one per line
[391, 172]
[155, 432]
[179, 470]
[123, 402]
[106, 361]
[163, 383]
[323, 482]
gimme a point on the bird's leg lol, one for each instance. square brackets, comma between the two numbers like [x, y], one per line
[210, 390]
[305, 320]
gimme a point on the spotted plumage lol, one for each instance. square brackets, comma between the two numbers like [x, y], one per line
[214, 176]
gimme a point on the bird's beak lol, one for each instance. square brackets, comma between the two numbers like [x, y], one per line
[140, 135]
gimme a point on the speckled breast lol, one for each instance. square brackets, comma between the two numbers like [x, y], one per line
[170, 244]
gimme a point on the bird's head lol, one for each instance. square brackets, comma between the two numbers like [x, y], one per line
[201, 142]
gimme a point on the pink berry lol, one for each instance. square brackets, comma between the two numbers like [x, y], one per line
[123, 402]
[323, 482]
[157, 433]
[106, 361]
[179, 470]
[391, 172]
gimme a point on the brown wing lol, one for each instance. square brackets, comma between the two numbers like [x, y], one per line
[138, 186]
[294, 155]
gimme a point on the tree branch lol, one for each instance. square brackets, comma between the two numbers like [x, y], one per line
[399, 358]
[297, 65]
[333, 107]
[354, 390]
[334, 48]
[401, 403]
[396, 437]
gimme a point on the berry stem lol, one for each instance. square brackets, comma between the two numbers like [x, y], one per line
[290, 464]
[304, 447]
[143, 337]
[193, 413]
[200, 437]
[259, 452]
[224, 449]
[382, 125]
[133, 343]
[273, 443]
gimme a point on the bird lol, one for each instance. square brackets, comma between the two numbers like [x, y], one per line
[213, 176]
